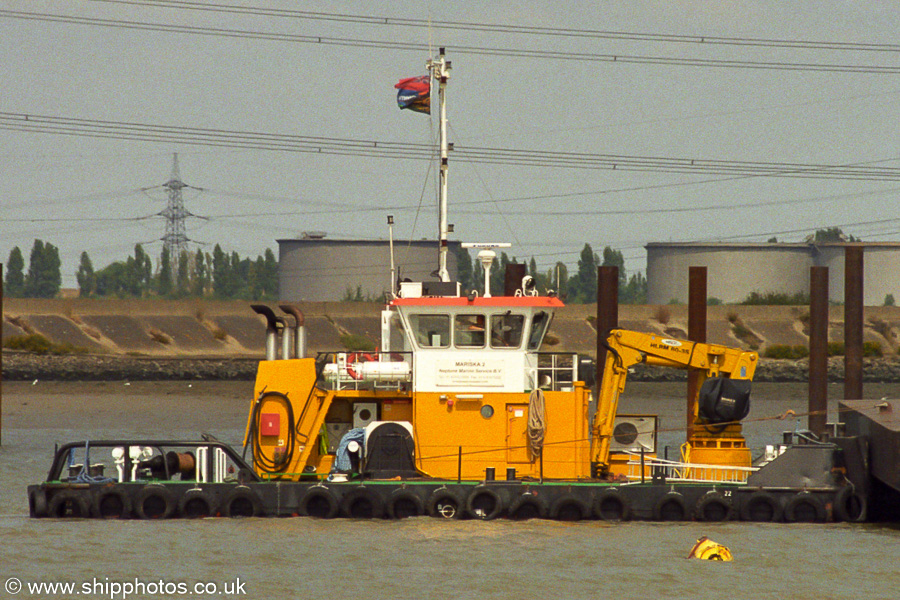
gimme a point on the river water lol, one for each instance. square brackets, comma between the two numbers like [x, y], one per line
[416, 558]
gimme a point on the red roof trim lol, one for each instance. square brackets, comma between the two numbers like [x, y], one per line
[493, 301]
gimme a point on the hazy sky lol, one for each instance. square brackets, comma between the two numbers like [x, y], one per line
[81, 192]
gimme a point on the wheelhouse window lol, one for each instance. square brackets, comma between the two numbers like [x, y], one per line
[506, 330]
[397, 340]
[538, 328]
[469, 331]
[431, 331]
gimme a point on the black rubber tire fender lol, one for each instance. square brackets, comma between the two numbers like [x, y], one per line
[318, 502]
[69, 504]
[671, 506]
[799, 508]
[850, 505]
[569, 507]
[196, 504]
[404, 503]
[486, 503]
[528, 505]
[241, 502]
[111, 502]
[154, 501]
[362, 502]
[37, 503]
[761, 504]
[612, 505]
[445, 503]
[714, 507]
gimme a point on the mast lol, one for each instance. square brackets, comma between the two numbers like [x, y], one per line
[440, 70]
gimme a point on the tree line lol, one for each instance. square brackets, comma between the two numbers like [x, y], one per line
[200, 274]
[229, 276]
[578, 288]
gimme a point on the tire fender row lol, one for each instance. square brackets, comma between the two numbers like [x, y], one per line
[482, 502]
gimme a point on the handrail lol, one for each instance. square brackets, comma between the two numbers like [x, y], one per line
[687, 472]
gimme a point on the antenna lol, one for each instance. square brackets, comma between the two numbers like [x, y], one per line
[486, 257]
[440, 70]
[390, 222]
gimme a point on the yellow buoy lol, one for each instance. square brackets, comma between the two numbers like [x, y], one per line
[707, 549]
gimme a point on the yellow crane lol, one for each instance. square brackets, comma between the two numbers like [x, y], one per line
[723, 396]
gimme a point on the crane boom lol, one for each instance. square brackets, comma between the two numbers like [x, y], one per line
[628, 348]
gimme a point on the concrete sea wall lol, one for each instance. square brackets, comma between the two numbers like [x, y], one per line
[191, 339]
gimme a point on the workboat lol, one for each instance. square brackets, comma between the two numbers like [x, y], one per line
[460, 413]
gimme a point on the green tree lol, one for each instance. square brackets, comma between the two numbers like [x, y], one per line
[498, 274]
[87, 281]
[15, 274]
[44, 278]
[142, 272]
[583, 285]
[200, 281]
[164, 278]
[635, 291]
[464, 269]
[270, 275]
[614, 258]
[240, 283]
[221, 273]
[112, 280]
[183, 276]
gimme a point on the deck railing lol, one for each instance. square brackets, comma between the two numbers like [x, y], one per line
[653, 467]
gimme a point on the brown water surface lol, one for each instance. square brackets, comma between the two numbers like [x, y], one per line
[417, 558]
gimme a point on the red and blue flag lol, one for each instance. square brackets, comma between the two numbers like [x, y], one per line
[415, 94]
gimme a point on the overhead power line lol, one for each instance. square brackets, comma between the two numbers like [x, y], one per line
[144, 132]
[566, 32]
[456, 49]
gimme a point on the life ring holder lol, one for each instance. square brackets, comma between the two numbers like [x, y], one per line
[353, 358]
